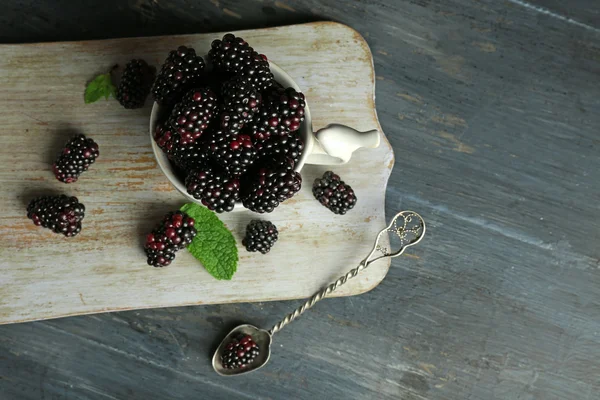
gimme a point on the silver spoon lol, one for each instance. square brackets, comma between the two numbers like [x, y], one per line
[410, 229]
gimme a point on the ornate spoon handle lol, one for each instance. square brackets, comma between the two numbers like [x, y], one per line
[410, 232]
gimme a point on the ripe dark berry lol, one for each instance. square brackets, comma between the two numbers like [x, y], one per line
[62, 214]
[182, 69]
[230, 53]
[163, 136]
[260, 236]
[333, 193]
[190, 157]
[265, 124]
[290, 106]
[265, 189]
[135, 84]
[216, 191]
[76, 157]
[192, 115]
[240, 102]
[235, 153]
[175, 232]
[257, 72]
[287, 145]
[239, 353]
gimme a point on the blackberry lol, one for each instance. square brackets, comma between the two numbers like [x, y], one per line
[257, 72]
[290, 106]
[333, 193]
[216, 191]
[233, 152]
[182, 69]
[135, 84]
[240, 102]
[192, 115]
[288, 145]
[191, 156]
[61, 214]
[163, 136]
[76, 157]
[175, 232]
[239, 353]
[269, 187]
[266, 123]
[230, 53]
[260, 236]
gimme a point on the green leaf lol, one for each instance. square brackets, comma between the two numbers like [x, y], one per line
[101, 86]
[214, 245]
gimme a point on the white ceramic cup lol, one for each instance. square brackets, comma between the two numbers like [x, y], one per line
[332, 145]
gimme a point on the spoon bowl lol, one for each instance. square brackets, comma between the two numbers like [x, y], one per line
[260, 336]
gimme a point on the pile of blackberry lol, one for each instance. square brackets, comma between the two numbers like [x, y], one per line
[62, 214]
[239, 353]
[230, 129]
[175, 232]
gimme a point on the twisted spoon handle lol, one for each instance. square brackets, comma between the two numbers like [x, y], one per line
[410, 232]
[318, 296]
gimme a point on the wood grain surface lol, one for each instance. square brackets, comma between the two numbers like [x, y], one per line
[125, 193]
[492, 108]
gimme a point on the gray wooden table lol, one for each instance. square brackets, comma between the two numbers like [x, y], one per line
[493, 108]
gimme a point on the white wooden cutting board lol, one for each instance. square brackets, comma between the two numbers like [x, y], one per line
[44, 275]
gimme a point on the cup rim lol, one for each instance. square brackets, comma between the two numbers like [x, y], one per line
[305, 131]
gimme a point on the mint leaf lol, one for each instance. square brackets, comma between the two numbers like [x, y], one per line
[214, 245]
[101, 86]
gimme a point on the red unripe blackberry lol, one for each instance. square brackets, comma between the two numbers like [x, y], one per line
[76, 157]
[62, 214]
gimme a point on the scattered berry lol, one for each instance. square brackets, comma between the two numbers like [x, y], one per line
[192, 115]
[175, 232]
[333, 193]
[135, 84]
[270, 187]
[260, 236]
[240, 353]
[230, 53]
[79, 153]
[233, 152]
[61, 214]
[216, 191]
[182, 69]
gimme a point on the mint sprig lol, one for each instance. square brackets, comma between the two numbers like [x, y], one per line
[101, 86]
[214, 245]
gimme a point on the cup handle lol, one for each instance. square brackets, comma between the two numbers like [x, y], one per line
[335, 144]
